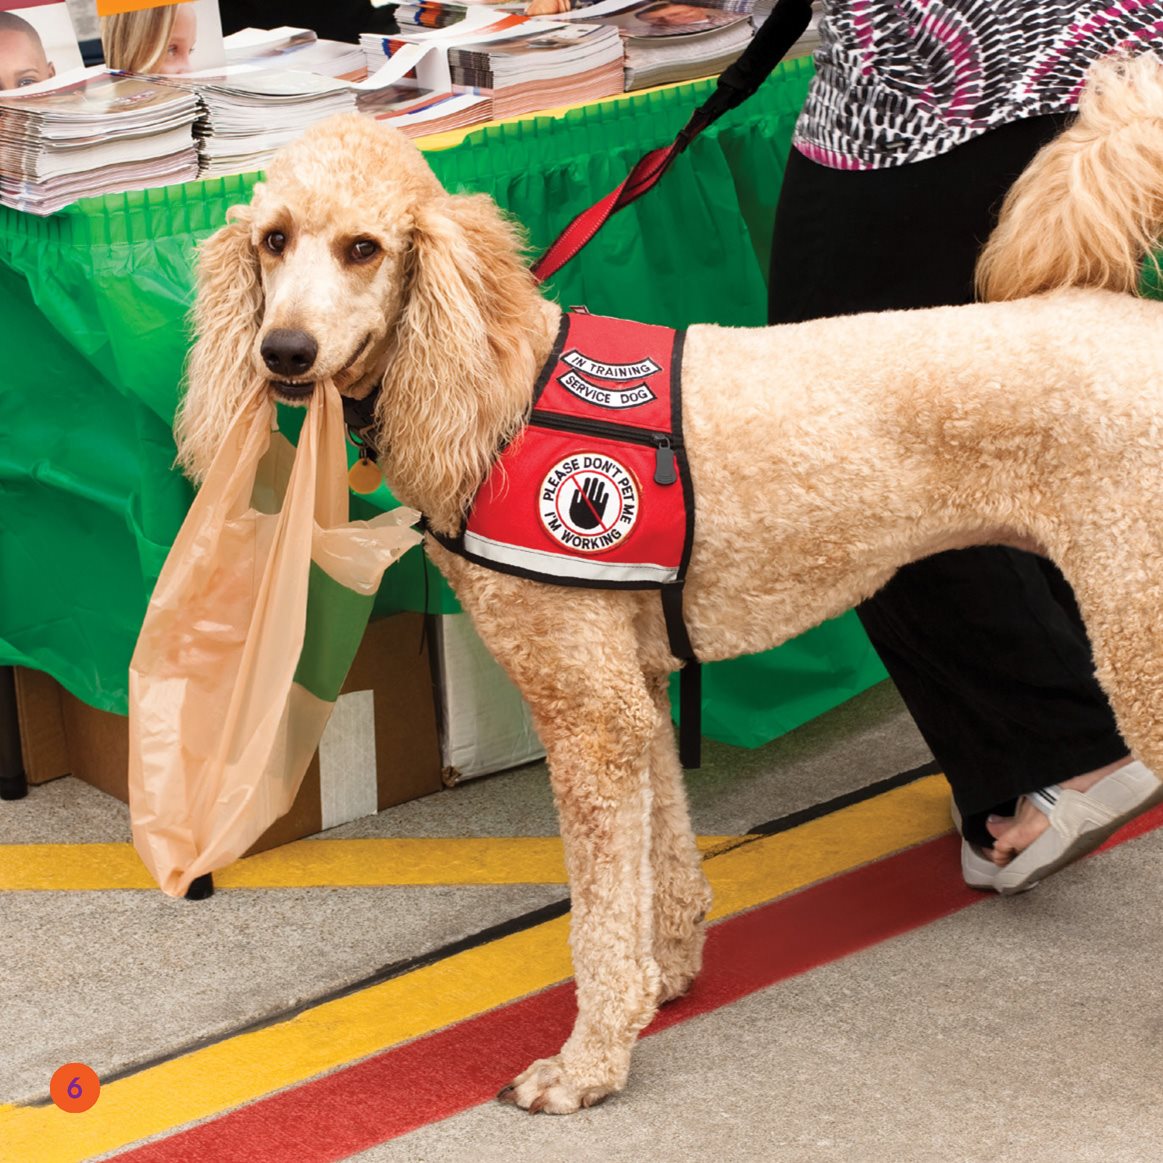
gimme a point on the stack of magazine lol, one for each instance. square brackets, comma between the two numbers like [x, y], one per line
[248, 114]
[522, 64]
[412, 90]
[294, 48]
[66, 131]
[271, 85]
[92, 133]
[387, 95]
[666, 42]
[418, 112]
[562, 66]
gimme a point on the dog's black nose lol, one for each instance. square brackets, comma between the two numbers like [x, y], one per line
[288, 352]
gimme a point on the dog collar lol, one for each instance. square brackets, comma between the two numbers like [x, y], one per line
[359, 417]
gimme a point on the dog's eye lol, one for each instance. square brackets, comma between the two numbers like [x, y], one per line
[364, 249]
[275, 242]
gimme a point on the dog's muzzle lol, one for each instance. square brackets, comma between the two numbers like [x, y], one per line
[289, 354]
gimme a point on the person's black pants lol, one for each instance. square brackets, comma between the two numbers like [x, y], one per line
[985, 645]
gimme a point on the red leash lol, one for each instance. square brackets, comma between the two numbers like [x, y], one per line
[779, 32]
[641, 178]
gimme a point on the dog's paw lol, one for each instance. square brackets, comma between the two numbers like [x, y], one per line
[680, 932]
[676, 985]
[679, 962]
[547, 1087]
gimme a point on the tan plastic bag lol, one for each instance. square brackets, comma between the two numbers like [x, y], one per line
[250, 632]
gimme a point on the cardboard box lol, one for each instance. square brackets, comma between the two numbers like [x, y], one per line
[42, 726]
[380, 747]
[485, 725]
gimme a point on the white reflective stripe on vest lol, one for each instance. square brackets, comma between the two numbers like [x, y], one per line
[564, 565]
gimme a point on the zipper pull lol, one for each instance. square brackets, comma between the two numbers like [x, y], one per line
[665, 472]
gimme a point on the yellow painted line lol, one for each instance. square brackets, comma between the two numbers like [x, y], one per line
[226, 1075]
[25, 867]
[463, 860]
[307, 864]
[755, 873]
[211, 1081]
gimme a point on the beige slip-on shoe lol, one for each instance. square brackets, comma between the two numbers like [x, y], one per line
[1079, 823]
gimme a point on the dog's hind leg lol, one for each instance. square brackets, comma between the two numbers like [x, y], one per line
[682, 896]
[1122, 606]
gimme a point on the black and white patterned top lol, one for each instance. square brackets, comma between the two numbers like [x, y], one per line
[902, 80]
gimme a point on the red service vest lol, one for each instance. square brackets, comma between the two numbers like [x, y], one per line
[595, 490]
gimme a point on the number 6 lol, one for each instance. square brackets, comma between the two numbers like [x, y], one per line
[74, 1090]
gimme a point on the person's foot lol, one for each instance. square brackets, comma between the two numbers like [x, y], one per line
[1080, 816]
[1014, 834]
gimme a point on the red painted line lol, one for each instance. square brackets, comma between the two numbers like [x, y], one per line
[441, 1074]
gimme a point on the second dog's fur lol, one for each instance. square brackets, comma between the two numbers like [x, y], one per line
[824, 455]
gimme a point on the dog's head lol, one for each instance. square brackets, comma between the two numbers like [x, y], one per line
[353, 264]
[332, 231]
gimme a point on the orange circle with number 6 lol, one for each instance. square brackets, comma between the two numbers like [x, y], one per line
[75, 1087]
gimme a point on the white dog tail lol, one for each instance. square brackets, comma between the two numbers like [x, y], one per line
[1088, 209]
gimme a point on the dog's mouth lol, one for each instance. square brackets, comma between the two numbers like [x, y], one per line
[344, 377]
[297, 391]
[293, 390]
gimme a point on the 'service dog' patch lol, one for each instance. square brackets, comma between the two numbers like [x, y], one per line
[595, 490]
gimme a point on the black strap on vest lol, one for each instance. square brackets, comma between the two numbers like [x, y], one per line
[690, 683]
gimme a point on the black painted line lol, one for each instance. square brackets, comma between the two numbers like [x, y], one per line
[859, 795]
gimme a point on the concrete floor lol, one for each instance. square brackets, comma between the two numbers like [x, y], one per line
[1025, 1029]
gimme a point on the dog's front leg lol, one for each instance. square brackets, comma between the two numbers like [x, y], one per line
[599, 767]
[576, 661]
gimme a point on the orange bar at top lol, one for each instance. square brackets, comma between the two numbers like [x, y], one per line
[113, 7]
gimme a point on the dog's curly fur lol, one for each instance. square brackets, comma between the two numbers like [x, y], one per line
[825, 455]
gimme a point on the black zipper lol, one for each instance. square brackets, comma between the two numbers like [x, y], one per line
[664, 445]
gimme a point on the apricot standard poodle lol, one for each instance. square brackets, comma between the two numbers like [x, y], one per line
[823, 455]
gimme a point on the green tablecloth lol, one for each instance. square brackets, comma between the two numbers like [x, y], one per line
[94, 301]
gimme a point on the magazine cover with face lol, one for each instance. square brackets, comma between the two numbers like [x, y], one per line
[161, 37]
[660, 18]
[37, 42]
[98, 97]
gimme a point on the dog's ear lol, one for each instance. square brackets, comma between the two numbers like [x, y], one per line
[221, 370]
[462, 350]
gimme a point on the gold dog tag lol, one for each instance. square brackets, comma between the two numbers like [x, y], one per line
[364, 476]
